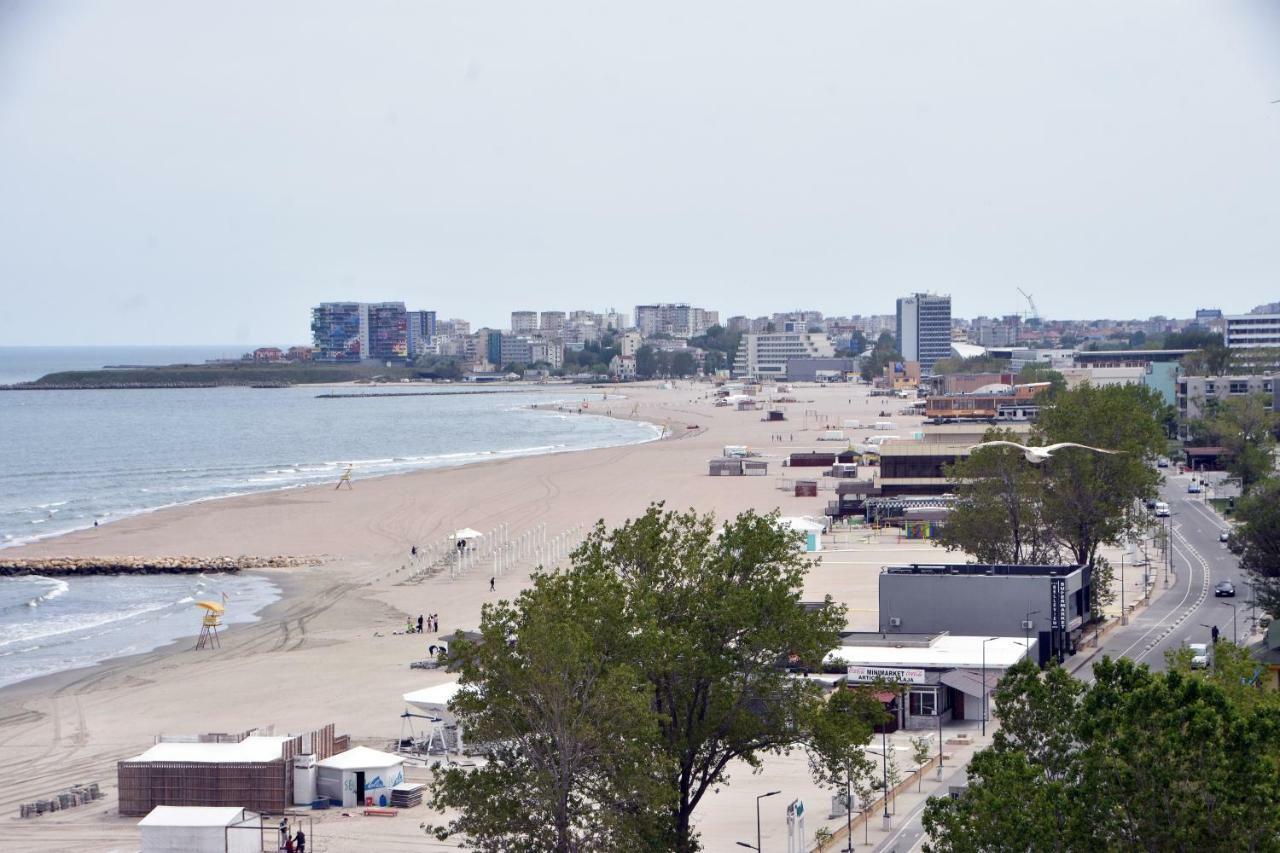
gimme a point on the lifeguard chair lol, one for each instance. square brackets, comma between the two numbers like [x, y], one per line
[210, 624]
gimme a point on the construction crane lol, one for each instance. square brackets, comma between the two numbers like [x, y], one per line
[1032, 303]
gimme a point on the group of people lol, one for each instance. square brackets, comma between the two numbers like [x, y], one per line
[291, 843]
[432, 624]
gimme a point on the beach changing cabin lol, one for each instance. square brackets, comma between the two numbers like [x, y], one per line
[198, 829]
[360, 776]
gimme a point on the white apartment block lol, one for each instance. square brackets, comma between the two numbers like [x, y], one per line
[551, 321]
[765, 355]
[1252, 330]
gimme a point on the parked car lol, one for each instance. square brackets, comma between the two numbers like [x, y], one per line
[1234, 545]
[1199, 655]
[1224, 589]
[1162, 462]
[1224, 536]
[1162, 509]
[1193, 488]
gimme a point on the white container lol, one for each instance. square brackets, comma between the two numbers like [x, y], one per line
[304, 779]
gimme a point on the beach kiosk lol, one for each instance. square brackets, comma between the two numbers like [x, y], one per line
[360, 776]
[197, 829]
[431, 706]
[807, 527]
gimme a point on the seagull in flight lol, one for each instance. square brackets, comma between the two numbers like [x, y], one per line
[1036, 455]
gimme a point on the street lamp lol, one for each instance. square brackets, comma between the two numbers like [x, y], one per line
[1124, 617]
[1026, 633]
[757, 844]
[1235, 637]
[984, 684]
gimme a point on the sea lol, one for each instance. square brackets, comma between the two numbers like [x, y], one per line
[69, 459]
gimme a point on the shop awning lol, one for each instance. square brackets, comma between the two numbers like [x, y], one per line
[969, 681]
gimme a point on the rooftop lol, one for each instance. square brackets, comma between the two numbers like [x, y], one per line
[254, 749]
[193, 816]
[943, 652]
[981, 569]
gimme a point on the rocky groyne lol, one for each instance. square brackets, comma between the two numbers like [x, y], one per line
[55, 566]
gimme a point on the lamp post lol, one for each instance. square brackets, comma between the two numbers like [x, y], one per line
[1026, 633]
[757, 844]
[984, 684]
[1124, 617]
[1168, 553]
[1235, 637]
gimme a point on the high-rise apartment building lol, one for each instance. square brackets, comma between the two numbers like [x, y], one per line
[524, 322]
[384, 328]
[335, 331]
[551, 322]
[924, 328]
[421, 329]
[679, 320]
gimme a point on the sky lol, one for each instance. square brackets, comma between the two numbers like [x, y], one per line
[205, 172]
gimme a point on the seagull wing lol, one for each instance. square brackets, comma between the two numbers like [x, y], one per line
[1000, 444]
[1051, 448]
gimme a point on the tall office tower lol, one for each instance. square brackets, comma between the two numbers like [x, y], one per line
[924, 328]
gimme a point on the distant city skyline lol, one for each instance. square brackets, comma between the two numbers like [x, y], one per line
[176, 174]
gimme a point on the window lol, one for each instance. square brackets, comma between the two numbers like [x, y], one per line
[922, 703]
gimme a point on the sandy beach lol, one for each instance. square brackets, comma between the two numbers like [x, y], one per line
[328, 651]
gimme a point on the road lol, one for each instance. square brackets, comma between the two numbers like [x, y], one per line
[1175, 618]
[1178, 616]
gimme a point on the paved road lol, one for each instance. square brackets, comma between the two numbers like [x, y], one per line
[1174, 619]
[1179, 615]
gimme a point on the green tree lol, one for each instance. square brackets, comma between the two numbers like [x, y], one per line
[1258, 531]
[713, 610]
[646, 362]
[885, 351]
[976, 364]
[1094, 499]
[921, 749]
[839, 730]
[1245, 428]
[998, 513]
[1040, 372]
[569, 721]
[1137, 761]
[683, 364]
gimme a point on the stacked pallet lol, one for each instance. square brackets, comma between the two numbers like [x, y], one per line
[72, 797]
[406, 795]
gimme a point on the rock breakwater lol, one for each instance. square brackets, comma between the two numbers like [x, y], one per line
[55, 566]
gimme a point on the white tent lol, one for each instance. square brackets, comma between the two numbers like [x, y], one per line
[358, 776]
[810, 529]
[202, 829]
[434, 702]
[467, 533]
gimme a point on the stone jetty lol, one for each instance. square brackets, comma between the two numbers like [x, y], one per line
[55, 566]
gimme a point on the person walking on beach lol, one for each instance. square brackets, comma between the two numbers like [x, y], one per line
[300, 841]
[491, 582]
[419, 623]
[413, 551]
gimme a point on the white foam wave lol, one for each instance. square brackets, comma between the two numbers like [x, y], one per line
[59, 587]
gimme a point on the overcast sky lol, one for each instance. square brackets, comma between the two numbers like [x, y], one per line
[205, 172]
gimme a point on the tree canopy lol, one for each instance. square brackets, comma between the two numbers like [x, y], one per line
[1136, 761]
[683, 625]
[884, 352]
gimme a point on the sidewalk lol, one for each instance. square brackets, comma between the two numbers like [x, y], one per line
[911, 795]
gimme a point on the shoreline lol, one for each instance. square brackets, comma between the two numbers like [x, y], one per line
[439, 464]
[328, 649]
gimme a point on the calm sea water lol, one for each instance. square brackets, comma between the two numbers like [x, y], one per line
[70, 458]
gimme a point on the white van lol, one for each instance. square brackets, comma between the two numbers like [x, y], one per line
[1199, 655]
[1162, 509]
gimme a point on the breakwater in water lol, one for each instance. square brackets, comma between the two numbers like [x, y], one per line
[88, 566]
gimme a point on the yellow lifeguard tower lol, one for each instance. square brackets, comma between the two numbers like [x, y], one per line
[210, 624]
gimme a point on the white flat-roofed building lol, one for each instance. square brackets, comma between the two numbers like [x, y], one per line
[765, 355]
[1252, 330]
[201, 829]
[941, 674]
